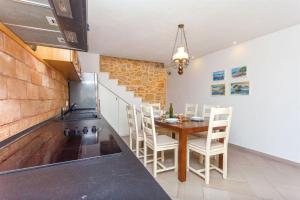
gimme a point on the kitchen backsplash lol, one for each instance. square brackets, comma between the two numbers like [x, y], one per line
[30, 91]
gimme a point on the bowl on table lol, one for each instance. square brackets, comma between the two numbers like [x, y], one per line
[171, 120]
[157, 117]
[197, 119]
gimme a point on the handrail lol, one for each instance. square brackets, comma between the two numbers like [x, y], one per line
[113, 93]
[137, 109]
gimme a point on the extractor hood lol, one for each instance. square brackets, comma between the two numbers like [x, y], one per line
[55, 23]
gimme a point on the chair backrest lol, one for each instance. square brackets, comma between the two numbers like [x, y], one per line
[207, 109]
[132, 120]
[156, 109]
[219, 125]
[191, 110]
[148, 124]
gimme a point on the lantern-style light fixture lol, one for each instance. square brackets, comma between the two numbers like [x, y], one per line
[181, 57]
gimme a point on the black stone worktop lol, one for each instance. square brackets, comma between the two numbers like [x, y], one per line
[115, 176]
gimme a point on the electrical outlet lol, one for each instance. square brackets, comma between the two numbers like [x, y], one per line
[52, 21]
[61, 40]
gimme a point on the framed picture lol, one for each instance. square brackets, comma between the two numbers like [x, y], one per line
[219, 75]
[239, 72]
[218, 90]
[240, 88]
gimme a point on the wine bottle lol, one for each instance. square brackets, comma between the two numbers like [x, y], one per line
[171, 113]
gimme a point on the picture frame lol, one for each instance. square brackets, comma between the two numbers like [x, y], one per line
[218, 89]
[240, 88]
[238, 72]
[218, 75]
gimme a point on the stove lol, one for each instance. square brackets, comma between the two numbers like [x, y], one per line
[58, 142]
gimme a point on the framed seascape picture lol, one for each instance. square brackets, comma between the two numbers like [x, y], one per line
[240, 88]
[219, 75]
[218, 90]
[239, 72]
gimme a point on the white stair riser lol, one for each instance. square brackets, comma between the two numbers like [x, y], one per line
[119, 90]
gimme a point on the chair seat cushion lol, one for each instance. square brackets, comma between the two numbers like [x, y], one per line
[164, 140]
[201, 144]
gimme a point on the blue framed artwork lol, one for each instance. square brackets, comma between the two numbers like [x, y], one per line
[218, 90]
[219, 75]
[240, 88]
[239, 72]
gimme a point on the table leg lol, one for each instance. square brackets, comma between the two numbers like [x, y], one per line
[221, 156]
[173, 135]
[182, 156]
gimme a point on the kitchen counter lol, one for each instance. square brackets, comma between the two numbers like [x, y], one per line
[115, 176]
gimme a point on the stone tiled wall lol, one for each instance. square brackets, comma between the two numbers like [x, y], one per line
[146, 79]
[30, 91]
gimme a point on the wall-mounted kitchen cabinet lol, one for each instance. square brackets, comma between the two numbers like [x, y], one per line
[64, 60]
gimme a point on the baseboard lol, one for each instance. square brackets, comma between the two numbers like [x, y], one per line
[265, 155]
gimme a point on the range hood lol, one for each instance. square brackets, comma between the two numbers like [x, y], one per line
[55, 23]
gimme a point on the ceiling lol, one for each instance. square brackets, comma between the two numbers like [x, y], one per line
[145, 29]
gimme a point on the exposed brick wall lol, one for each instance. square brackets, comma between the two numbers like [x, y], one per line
[30, 91]
[146, 79]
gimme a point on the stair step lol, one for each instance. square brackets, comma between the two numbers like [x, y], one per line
[120, 88]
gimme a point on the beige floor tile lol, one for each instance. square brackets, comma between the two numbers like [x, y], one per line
[250, 177]
[290, 192]
[213, 194]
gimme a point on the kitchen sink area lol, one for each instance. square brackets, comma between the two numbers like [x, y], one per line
[80, 114]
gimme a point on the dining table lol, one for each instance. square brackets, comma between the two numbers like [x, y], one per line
[184, 129]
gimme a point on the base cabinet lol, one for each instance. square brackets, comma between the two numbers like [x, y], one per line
[113, 110]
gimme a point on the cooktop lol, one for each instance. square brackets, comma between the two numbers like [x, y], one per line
[58, 142]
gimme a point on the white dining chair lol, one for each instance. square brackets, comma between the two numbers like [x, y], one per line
[135, 133]
[158, 112]
[156, 109]
[210, 146]
[191, 110]
[205, 114]
[206, 110]
[157, 143]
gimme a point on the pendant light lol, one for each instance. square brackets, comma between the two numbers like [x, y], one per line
[180, 58]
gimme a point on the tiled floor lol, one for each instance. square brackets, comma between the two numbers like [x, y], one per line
[249, 177]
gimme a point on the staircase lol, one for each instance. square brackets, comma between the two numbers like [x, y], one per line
[113, 101]
[120, 90]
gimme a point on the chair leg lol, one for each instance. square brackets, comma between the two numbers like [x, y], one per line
[225, 165]
[130, 141]
[188, 160]
[176, 159]
[207, 165]
[201, 158]
[145, 154]
[154, 163]
[137, 148]
[162, 156]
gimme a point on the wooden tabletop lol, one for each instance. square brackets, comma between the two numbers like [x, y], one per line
[188, 126]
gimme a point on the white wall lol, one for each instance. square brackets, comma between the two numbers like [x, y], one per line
[89, 62]
[267, 120]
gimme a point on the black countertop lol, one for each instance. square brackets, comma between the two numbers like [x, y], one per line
[115, 176]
